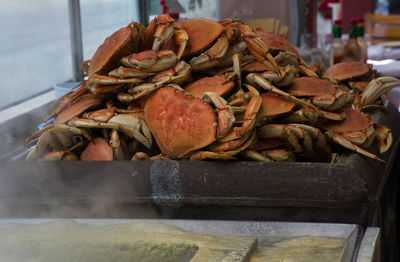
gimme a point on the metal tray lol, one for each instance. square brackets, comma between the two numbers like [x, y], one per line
[273, 230]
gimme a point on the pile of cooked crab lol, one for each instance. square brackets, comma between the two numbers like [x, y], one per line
[199, 89]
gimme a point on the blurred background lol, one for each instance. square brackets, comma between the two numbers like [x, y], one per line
[36, 39]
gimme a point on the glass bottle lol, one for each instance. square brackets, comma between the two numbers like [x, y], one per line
[353, 49]
[361, 40]
[337, 44]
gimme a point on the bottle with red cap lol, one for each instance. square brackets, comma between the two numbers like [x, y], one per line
[361, 40]
[353, 49]
[337, 44]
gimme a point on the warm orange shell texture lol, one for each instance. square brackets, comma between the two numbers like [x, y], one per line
[77, 109]
[180, 123]
[354, 121]
[216, 84]
[123, 42]
[346, 70]
[97, 150]
[311, 86]
[275, 42]
[202, 32]
[273, 105]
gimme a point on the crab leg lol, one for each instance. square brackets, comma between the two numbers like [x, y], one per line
[151, 60]
[129, 124]
[145, 89]
[116, 146]
[349, 145]
[318, 136]
[252, 109]
[284, 78]
[258, 48]
[110, 80]
[237, 70]
[60, 156]
[181, 38]
[229, 145]
[280, 131]
[252, 154]
[224, 155]
[128, 72]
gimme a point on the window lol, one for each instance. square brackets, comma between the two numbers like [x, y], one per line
[35, 50]
[101, 18]
[35, 44]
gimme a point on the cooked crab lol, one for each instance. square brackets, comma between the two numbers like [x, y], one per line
[322, 93]
[356, 131]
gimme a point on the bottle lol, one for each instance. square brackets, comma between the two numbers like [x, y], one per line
[361, 40]
[337, 44]
[353, 49]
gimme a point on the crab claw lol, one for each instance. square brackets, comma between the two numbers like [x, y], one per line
[377, 88]
[383, 138]
[225, 113]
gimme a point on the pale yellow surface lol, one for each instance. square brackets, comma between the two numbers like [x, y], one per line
[300, 249]
[69, 241]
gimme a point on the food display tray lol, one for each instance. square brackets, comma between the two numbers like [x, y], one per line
[346, 191]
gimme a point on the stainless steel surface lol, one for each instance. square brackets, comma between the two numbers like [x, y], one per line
[370, 246]
[348, 232]
[75, 26]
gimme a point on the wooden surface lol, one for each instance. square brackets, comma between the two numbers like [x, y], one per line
[251, 190]
[382, 28]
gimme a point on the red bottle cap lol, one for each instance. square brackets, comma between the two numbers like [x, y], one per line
[337, 22]
[360, 20]
[353, 21]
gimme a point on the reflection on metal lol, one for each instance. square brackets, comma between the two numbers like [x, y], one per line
[370, 246]
[75, 26]
[144, 12]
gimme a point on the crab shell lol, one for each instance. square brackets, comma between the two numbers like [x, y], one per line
[78, 108]
[216, 84]
[202, 32]
[123, 42]
[347, 71]
[179, 122]
[324, 93]
[276, 43]
[274, 105]
[97, 150]
[354, 121]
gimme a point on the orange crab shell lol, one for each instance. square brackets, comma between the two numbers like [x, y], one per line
[202, 32]
[354, 121]
[216, 84]
[273, 105]
[346, 70]
[311, 86]
[97, 150]
[275, 42]
[180, 123]
[77, 109]
[123, 42]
